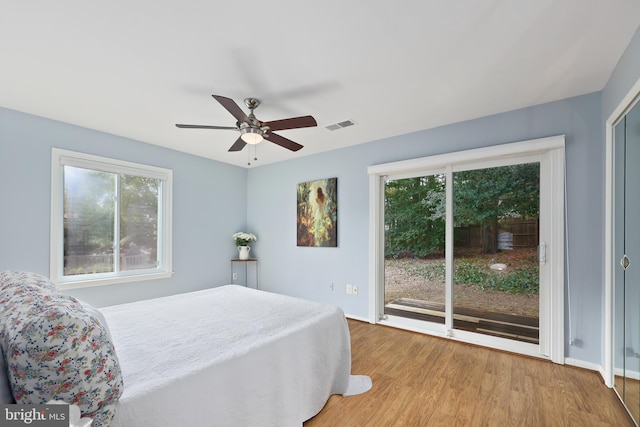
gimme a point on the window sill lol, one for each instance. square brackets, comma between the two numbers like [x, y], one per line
[89, 283]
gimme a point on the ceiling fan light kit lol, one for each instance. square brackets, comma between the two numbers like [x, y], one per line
[253, 131]
[251, 135]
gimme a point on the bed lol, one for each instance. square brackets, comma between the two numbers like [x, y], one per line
[226, 356]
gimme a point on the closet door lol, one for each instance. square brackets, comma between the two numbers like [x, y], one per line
[627, 260]
[630, 261]
[619, 290]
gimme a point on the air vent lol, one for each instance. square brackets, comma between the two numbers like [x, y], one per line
[341, 125]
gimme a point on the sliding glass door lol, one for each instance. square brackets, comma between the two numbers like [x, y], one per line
[495, 279]
[496, 213]
[471, 246]
[414, 242]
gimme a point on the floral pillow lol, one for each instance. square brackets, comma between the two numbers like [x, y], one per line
[55, 350]
[12, 278]
[95, 313]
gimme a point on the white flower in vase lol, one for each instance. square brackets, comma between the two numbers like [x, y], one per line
[243, 240]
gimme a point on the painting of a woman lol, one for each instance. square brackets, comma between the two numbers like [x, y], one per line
[317, 213]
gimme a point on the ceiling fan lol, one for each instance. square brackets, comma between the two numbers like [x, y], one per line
[252, 130]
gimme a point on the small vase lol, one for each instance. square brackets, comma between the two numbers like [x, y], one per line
[243, 252]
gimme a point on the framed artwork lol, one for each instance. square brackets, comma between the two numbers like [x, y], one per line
[317, 213]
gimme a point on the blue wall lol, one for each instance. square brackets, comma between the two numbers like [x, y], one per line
[308, 272]
[625, 75]
[209, 205]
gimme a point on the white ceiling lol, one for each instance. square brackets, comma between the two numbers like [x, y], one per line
[136, 67]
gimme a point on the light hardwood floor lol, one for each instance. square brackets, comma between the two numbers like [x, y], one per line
[419, 380]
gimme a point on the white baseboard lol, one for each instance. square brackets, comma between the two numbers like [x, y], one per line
[362, 319]
[583, 364]
[634, 375]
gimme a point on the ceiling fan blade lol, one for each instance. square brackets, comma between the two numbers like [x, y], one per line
[238, 145]
[283, 142]
[204, 127]
[292, 123]
[232, 107]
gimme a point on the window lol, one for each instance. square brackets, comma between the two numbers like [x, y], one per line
[110, 220]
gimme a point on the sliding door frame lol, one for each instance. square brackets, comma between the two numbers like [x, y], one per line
[551, 152]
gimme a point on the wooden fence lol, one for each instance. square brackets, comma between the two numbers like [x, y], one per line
[512, 233]
[103, 263]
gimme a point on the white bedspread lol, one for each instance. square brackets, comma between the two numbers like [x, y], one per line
[227, 356]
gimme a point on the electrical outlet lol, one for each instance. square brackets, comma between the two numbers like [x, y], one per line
[235, 276]
[349, 289]
[355, 290]
[331, 286]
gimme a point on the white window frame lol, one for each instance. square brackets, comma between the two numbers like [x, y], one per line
[61, 158]
[551, 150]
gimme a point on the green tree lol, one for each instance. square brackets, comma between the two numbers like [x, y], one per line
[415, 207]
[88, 210]
[90, 217]
[414, 216]
[139, 214]
[484, 196]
